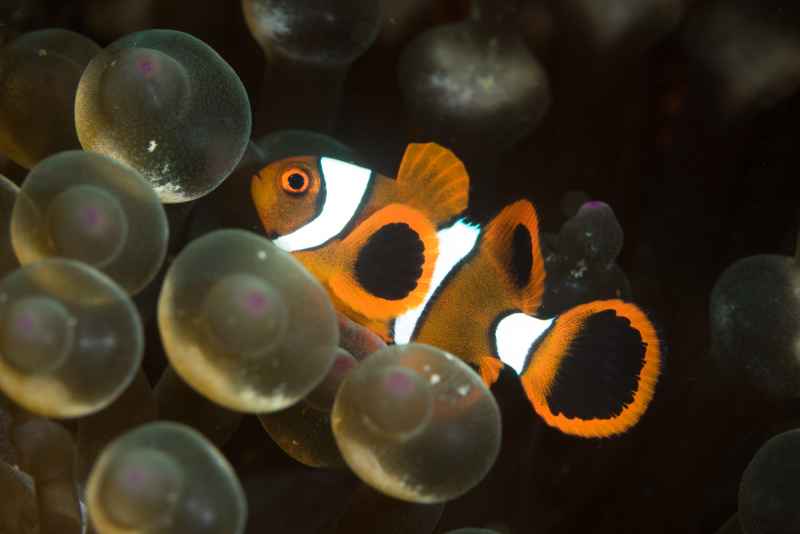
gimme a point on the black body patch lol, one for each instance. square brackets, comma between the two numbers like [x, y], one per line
[521, 256]
[390, 262]
[600, 372]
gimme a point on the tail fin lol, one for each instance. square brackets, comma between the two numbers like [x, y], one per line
[512, 239]
[593, 372]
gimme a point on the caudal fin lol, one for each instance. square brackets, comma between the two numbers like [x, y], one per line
[593, 372]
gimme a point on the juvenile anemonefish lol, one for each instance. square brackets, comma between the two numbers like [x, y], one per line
[398, 257]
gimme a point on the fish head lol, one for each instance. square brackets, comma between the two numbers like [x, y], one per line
[287, 194]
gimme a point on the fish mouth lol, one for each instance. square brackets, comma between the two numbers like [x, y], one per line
[264, 208]
[272, 235]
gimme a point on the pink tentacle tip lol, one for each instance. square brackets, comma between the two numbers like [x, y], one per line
[398, 384]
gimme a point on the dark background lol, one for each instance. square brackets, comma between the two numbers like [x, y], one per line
[637, 125]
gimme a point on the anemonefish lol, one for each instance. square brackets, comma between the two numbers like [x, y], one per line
[399, 257]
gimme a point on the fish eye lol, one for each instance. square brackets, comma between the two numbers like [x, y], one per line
[295, 180]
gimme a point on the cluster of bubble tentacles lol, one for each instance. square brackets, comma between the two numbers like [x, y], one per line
[245, 327]
[248, 328]
[161, 118]
[754, 314]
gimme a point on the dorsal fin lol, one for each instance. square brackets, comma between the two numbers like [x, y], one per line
[594, 371]
[512, 239]
[434, 180]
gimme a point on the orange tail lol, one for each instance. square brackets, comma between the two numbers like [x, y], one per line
[594, 371]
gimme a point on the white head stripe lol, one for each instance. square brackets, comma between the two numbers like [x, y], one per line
[455, 242]
[514, 336]
[345, 186]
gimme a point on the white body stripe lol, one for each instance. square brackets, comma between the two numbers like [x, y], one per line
[345, 187]
[514, 336]
[455, 242]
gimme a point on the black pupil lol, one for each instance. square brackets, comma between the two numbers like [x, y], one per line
[297, 181]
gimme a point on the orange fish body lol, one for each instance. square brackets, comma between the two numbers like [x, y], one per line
[480, 289]
[340, 219]
[441, 280]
